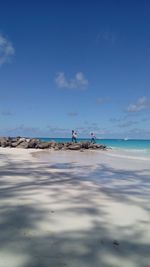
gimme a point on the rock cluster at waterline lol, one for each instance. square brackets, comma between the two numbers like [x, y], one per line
[21, 142]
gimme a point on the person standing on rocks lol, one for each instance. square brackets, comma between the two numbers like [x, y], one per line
[74, 137]
[93, 138]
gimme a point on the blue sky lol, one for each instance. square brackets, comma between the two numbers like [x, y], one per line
[80, 65]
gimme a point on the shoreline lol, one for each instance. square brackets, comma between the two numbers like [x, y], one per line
[110, 152]
[73, 209]
[135, 154]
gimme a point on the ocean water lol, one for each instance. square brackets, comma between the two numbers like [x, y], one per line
[129, 144]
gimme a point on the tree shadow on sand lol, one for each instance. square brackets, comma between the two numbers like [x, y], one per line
[55, 215]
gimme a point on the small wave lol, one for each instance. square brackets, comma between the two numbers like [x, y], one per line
[132, 149]
[130, 153]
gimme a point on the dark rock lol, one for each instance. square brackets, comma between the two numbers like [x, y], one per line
[4, 141]
[53, 144]
[74, 147]
[115, 243]
[60, 146]
[33, 143]
[97, 146]
[43, 145]
[4, 144]
[68, 144]
[85, 145]
[22, 142]
[92, 146]
[23, 145]
[56, 148]
[14, 144]
[103, 147]
[13, 140]
[21, 139]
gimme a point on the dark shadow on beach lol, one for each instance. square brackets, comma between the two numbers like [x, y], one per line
[32, 194]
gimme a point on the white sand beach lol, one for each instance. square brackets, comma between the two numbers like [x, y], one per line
[74, 209]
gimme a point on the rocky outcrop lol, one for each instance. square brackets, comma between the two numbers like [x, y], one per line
[4, 142]
[43, 145]
[22, 142]
[75, 147]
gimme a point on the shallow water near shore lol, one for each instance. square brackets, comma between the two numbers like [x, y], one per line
[139, 154]
[93, 156]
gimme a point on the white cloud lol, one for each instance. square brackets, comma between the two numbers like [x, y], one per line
[141, 104]
[78, 82]
[6, 50]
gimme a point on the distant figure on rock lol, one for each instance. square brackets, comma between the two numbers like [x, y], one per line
[93, 138]
[74, 137]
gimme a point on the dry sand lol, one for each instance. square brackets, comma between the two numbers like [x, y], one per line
[73, 209]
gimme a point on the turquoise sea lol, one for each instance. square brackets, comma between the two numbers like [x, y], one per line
[129, 144]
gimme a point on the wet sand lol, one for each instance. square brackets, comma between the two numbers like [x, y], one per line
[73, 209]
